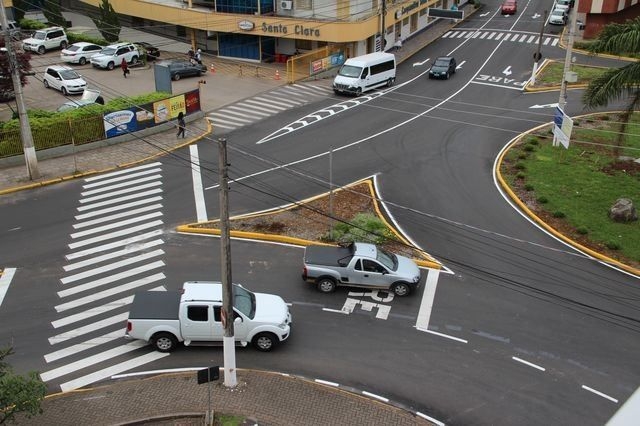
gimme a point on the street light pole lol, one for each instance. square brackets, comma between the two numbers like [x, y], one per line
[229, 343]
[25, 128]
[538, 55]
[562, 100]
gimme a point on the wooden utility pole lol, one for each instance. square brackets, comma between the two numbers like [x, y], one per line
[229, 344]
[25, 128]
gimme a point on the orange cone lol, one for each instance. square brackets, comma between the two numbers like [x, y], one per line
[212, 68]
[277, 77]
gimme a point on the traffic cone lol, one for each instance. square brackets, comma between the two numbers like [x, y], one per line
[212, 68]
[277, 77]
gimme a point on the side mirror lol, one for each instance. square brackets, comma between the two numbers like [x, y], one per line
[237, 320]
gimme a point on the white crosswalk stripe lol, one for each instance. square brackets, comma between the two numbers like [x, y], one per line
[115, 252]
[232, 117]
[494, 35]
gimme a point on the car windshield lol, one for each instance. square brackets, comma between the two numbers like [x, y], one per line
[73, 48]
[389, 260]
[441, 63]
[350, 71]
[244, 301]
[108, 51]
[39, 35]
[557, 13]
[69, 75]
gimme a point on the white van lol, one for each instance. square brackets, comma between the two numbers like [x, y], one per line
[366, 72]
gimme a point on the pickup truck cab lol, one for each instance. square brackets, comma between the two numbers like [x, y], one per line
[359, 265]
[193, 316]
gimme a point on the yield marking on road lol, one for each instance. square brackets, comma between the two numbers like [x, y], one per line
[91, 360]
[523, 38]
[555, 41]
[112, 278]
[231, 115]
[292, 91]
[92, 312]
[109, 292]
[122, 178]
[110, 371]
[120, 192]
[531, 39]
[124, 184]
[546, 41]
[88, 344]
[5, 282]
[114, 225]
[120, 199]
[491, 36]
[417, 64]
[106, 176]
[530, 364]
[253, 111]
[117, 216]
[604, 395]
[260, 107]
[117, 208]
[261, 104]
[122, 232]
[120, 243]
[276, 101]
[59, 338]
[112, 266]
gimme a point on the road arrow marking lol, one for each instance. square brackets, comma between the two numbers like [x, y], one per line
[507, 70]
[417, 64]
[460, 65]
[536, 16]
[484, 14]
[544, 106]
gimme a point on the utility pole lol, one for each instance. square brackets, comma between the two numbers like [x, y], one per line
[538, 55]
[229, 344]
[25, 128]
[384, 28]
[562, 100]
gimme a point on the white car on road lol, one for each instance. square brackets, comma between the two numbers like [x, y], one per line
[64, 79]
[79, 53]
[111, 56]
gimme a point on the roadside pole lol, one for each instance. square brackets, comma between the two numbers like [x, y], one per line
[229, 344]
[562, 100]
[25, 127]
[538, 55]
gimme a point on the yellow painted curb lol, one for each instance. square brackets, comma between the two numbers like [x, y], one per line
[545, 225]
[196, 228]
[119, 166]
[528, 88]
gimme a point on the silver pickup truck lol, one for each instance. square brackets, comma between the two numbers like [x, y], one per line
[359, 265]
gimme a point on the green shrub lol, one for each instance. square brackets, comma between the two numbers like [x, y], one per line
[520, 175]
[558, 214]
[364, 227]
[522, 156]
[533, 140]
[529, 148]
[28, 24]
[613, 245]
[543, 200]
[520, 166]
[582, 230]
[528, 187]
[76, 37]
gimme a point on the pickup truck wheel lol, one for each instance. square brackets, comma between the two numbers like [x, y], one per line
[165, 342]
[401, 289]
[326, 285]
[264, 342]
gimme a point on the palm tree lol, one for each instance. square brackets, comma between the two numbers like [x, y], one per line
[617, 83]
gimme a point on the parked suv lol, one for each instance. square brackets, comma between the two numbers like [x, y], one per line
[111, 56]
[64, 79]
[46, 39]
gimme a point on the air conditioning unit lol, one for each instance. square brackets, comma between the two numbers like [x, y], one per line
[286, 4]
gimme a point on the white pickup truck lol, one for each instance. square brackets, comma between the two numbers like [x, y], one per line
[193, 316]
[359, 265]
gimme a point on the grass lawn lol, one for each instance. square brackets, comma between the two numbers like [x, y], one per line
[551, 74]
[577, 186]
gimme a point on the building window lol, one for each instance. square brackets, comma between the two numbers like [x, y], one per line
[304, 4]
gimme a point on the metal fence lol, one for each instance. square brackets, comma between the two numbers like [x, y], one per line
[299, 66]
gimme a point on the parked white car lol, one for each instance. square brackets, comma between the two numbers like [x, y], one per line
[64, 79]
[79, 53]
[46, 39]
[111, 56]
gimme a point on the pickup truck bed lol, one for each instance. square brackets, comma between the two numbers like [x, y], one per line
[325, 255]
[155, 305]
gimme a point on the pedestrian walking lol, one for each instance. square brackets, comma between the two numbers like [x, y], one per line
[125, 67]
[181, 125]
[198, 56]
[398, 44]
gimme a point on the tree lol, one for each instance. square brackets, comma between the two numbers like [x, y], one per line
[108, 23]
[6, 83]
[53, 13]
[18, 394]
[617, 83]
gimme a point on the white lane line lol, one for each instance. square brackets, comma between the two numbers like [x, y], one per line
[290, 91]
[604, 395]
[111, 266]
[223, 126]
[59, 338]
[118, 224]
[125, 206]
[117, 216]
[121, 192]
[429, 294]
[112, 235]
[120, 199]
[373, 395]
[530, 364]
[120, 243]
[531, 39]
[248, 110]
[277, 101]
[109, 292]
[110, 371]
[337, 311]
[253, 101]
[111, 278]
[314, 90]
[499, 36]
[119, 185]
[324, 382]
[106, 176]
[113, 254]
[198, 191]
[165, 371]
[555, 41]
[121, 178]
[232, 116]
[446, 336]
[244, 106]
[5, 281]
[92, 312]
[91, 360]
[88, 344]
[431, 419]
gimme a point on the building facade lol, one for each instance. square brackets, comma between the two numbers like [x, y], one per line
[599, 13]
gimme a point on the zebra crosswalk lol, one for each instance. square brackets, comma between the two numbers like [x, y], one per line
[515, 37]
[116, 250]
[265, 105]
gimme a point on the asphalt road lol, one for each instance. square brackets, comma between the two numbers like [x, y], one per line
[522, 330]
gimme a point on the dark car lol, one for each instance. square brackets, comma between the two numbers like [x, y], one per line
[179, 69]
[152, 52]
[443, 67]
